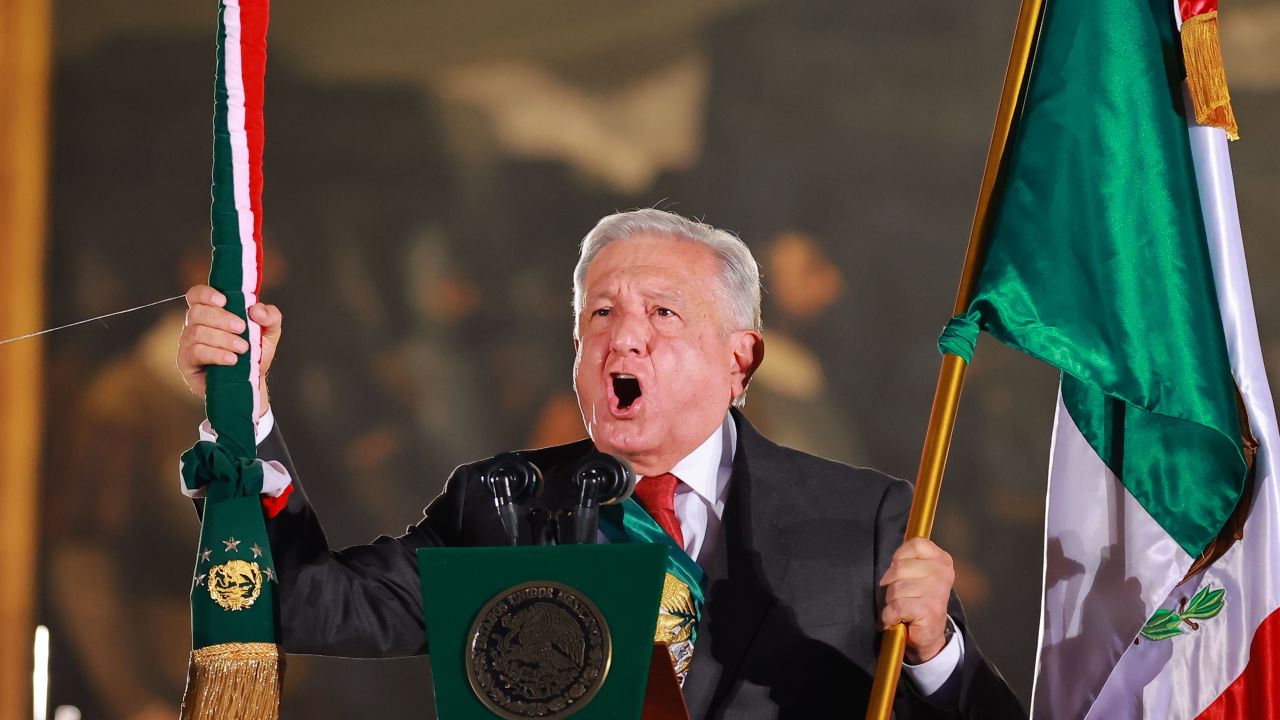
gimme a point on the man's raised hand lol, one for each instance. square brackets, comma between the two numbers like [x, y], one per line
[212, 337]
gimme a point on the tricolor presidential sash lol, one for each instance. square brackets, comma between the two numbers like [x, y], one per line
[682, 593]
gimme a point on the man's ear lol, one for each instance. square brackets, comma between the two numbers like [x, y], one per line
[748, 353]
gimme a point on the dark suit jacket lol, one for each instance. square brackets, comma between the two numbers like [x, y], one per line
[791, 625]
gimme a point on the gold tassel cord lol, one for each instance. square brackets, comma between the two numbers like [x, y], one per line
[234, 680]
[1206, 75]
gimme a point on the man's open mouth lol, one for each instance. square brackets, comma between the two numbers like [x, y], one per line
[626, 388]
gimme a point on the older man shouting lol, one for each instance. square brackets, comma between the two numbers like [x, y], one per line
[802, 558]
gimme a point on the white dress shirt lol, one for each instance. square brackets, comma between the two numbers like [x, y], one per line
[704, 485]
[699, 505]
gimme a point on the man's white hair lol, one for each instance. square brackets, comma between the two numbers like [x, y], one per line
[739, 282]
[739, 273]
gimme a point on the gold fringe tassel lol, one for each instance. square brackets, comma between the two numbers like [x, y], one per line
[234, 680]
[1206, 76]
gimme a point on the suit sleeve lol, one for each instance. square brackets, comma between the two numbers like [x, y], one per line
[362, 601]
[983, 691]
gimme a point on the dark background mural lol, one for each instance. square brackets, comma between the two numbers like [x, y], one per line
[430, 168]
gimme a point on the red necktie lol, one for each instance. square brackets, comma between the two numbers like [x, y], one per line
[657, 495]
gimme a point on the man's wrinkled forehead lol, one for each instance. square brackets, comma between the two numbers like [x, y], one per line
[604, 291]
[653, 273]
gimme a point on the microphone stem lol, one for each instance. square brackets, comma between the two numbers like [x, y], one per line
[586, 521]
[510, 522]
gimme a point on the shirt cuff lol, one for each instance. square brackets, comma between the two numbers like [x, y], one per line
[266, 424]
[937, 679]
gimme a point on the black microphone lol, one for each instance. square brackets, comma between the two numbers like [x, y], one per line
[600, 479]
[513, 481]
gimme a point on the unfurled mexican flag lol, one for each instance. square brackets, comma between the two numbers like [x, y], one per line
[1115, 255]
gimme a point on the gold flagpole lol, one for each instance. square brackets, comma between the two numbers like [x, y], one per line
[946, 398]
[25, 33]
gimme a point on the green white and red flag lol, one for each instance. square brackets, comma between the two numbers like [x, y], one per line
[1115, 255]
[235, 668]
[1217, 659]
[236, 215]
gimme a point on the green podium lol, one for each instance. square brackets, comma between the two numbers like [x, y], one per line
[542, 632]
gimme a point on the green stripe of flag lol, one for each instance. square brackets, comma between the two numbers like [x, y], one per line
[1098, 262]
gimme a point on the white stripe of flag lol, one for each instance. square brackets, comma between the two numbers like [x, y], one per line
[240, 172]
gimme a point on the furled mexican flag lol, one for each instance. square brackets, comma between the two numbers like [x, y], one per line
[235, 663]
[1114, 254]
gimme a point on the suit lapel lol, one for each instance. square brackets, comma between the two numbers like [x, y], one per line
[740, 581]
[704, 673]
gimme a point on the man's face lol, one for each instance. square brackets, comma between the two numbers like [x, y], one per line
[657, 363]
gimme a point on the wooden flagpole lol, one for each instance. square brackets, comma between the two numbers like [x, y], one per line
[946, 398]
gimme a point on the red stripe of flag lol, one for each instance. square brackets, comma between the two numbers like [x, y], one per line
[1254, 694]
[254, 15]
